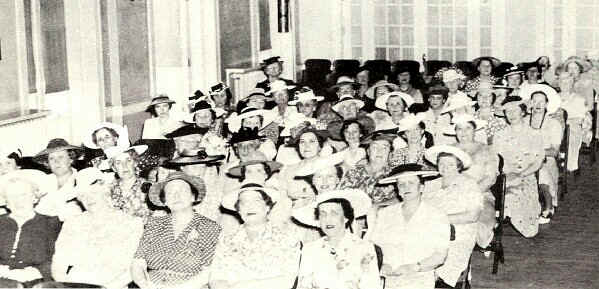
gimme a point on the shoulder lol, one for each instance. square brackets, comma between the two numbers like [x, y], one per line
[205, 223]
[50, 220]
[433, 213]
[391, 211]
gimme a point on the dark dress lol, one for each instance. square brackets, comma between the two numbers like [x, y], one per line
[35, 246]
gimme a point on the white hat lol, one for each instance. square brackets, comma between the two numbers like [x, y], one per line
[278, 85]
[230, 198]
[113, 152]
[432, 153]
[234, 121]
[304, 95]
[451, 75]
[553, 99]
[370, 91]
[37, 179]
[347, 98]
[359, 201]
[321, 163]
[458, 101]
[464, 118]
[381, 101]
[410, 121]
[122, 141]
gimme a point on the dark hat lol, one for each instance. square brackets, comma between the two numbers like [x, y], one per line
[245, 134]
[320, 132]
[185, 131]
[200, 105]
[366, 123]
[163, 98]
[269, 61]
[406, 170]
[55, 145]
[217, 88]
[386, 135]
[159, 147]
[200, 157]
[494, 61]
[437, 89]
[194, 182]
[197, 95]
[513, 70]
[256, 157]
[417, 108]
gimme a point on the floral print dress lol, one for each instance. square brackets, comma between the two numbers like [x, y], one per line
[132, 201]
[360, 178]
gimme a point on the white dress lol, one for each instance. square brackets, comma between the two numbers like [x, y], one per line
[57, 201]
[154, 129]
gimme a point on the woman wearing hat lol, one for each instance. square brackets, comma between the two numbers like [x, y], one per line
[453, 78]
[161, 122]
[176, 250]
[435, 120]
[409, 147]
[279, 91]
[101, 137]
[583, 85]
[461, 199]
[391, 107]
[521, 147]
[514, 77]
[60, 201]
[306, 102]
[126, 191]
[351, 132]
[27, 239]
[259, 254]
[272, 68]
[347, 106]
[413, 235]
[544, 101]
[486, 111]
[203, 116]
[9, 161]
[484, 66]
[407, 78]
[252, 118]
[340, 259]
[86, 244]
[484, 170]
[378, 89]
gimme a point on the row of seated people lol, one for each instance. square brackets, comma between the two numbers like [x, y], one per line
[232, 198]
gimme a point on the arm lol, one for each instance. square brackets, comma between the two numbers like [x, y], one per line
[139, 273]
[467, 217]
[370, 272]
[428, 264]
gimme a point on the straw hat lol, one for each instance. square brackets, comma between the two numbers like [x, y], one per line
[464, 118]
[344, 80]
[494, 61]
[359, 201]
[432, 153]
[55, 145]
[303, 95]
[113, 152]
[370, 91]
[320, 163]
[381, 101]
[452, 74]
[553, 99]
[347, 98]
[235, 121]
[256, 157]
[163, 98]
[230, 199]
[458, 101]
[122, 141]
[410, 121]
[195, 183]
[406, 170]
[278, 85]
[200, 157]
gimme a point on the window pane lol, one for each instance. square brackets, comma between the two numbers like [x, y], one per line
[461, 16]
[394, 15]
[408, 53]
[31, 73]
[460, 55]
[461, 36]
[463, 3]
[433, 37]
[407, 36]
[446, 37]
[433, 2]
[584, 38]
[447, 54]
[55, 46]
[379, 15]
[407, 1]
[394, 34]
[407, 15]
[394, 54]
[445, 2]
[446, 16]
[356, 35]
[485, 15]
[356, 52]
[585, 2]
[379, 36]
[485, 36]
[433, 54]
[485, 51]
[356, 15]
[557, 16]
[584, 16]
[355, 1]
[433, 16]
[558, 54]
[557, 38]
[380, 53]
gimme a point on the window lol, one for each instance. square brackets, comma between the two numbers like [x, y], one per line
[394, 29]
[587, 30]
[54, 45]
[356, 29]
[447, 35]
[485, 27]
[558, 28]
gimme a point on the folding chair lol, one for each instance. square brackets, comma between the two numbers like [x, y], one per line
[592, 148]
[465, 66]
[379, 261]
[562, 163]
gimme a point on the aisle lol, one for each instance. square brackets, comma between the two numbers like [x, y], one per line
[565, 254]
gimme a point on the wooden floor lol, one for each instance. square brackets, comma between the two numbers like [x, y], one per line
[565, 253]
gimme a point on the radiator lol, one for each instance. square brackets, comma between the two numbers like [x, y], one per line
[242, 80]
[30, 132]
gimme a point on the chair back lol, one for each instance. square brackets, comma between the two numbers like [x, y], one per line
[432, 66]
[465, 66]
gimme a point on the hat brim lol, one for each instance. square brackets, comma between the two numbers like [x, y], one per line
[553, 99]
[39, 157]
[234, 121]
[370, 91]
[394, 178]
[150, 106]
[295, 102]
[322, 162]
[480, 124]
[340, 84]
[432, 153]
[195, 160]
[236, 170]
[334, 127]
[359, 201]
[197, 183]
[336, 106]
[230, 199]
[286, 87]
[451, 108]
[381, 102]
[521, 73]
[495, 61]
[139, 150]
[189, 118]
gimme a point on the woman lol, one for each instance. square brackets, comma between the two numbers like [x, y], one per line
[252, 118]
[27, 239]
[484, 171]
[366, 175]
[363, 78]
[406, 78]
[60, 201]
[436, 121]
[85, 249]
[380, 88]
[522, 150]
[583, 83]
[101, 137]
[514, 78]
[460, 198]
[126, 191]
[544, 101]
[306, 102]
[176, 250]
[247, 258]
[340, 259]
[485, 66]
[283, 113]
[161, 122]
[453, 78]
[272, 68]
[221, 99]
[409, 147]
[485, 99]
[413, 235]
[392, 107]
[203, 117]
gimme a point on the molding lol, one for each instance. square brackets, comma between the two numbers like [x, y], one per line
[22, 67]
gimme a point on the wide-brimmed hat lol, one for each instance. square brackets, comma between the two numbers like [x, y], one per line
[122, 141]
[37, 179]
[431, 154]
[406, 170]
[437, 89]
[256, 157]
[464, 118]
[502, 84]
[410, 121]
[195, 183]
[235, 121]
[370, 91]
[381, 101]
[553, 99]
[458, 100]
[586, 66]
[513, 70]
[344, 80]
[366, 123]
[199, 157]
[346, 98]
[55, 145]
[230, 199]
[303, 95]
[163, 98]
[318, 129]
[202, 105]
[510, 101]
[259, 92]
[245, 134]
[268, 61]
[494, 61]
[320, 163]
[113, 152]
[278, 85]
[186, 130]
[359, 201]
[451, 74]
[388, 135]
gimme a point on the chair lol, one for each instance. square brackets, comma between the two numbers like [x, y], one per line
[381, 67]
[379, 262]
[498, 190]
[412, 65]
[501, 69]
[432, 66]
[465, 66]
[315, 74]
[346, 67]
[463, 282]
[562, 162]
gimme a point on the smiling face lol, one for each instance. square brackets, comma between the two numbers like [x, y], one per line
[404, 80]
[162, 109]
[395, 105]
[352, 134]
[539, 103]
[414, 136]
[346, 89]
[256, 173]
[514, 114]
[325, 179]
[332, 220]
[246, 149]
[307, 108]
[409, 187]
[178, 195]
[436, 101]
[448, 166]
[256, 101]
[362, 78]
[308, 145]
[203, 118]
[105, 139]
[464, 132]
[252, 208]
[60, 162]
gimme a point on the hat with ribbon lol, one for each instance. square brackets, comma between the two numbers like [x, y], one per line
[304, 95]
[230, 199]
[163, 98]
[359, 201]
[55, 145]
[407, 170]
[381, 101]
[433, 152]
